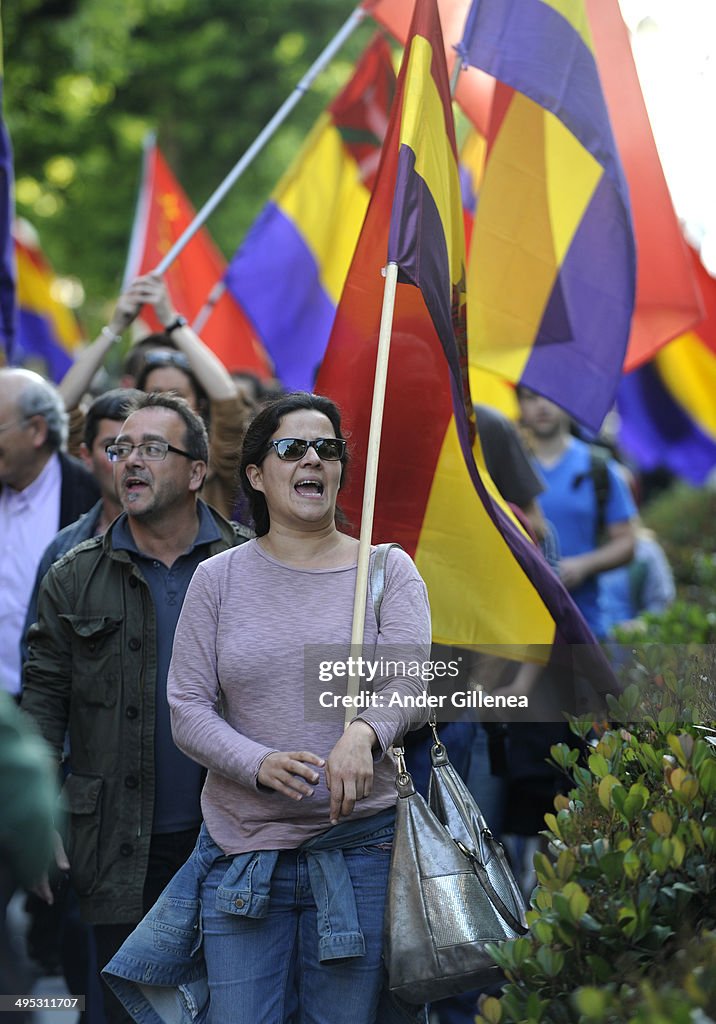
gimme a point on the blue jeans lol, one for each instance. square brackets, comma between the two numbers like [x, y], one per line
[267, 971]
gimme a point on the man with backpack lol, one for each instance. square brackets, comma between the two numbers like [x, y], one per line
[586, 500]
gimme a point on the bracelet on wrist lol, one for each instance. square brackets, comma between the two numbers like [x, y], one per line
[109, 334]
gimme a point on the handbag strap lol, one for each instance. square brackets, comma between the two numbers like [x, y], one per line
[376, 584]
[492, 893]
[376, 580]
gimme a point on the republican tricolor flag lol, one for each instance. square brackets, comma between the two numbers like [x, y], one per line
[488, 584]
[289, 272]
[46, 328]
[667, 408]
[553, 259]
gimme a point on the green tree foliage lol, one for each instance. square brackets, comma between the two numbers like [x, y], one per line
[623, 918]
[86, 79]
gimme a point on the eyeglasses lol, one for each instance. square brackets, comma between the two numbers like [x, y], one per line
[328, 449]
[150, 451]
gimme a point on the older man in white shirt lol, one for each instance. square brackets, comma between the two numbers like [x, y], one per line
[41, 490]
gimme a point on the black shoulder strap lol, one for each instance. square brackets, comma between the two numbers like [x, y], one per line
[598, 459]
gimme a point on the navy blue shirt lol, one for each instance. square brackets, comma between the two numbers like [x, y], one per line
[178, 778]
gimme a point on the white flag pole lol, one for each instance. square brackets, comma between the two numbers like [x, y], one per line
[371, 474]
[208, 308]
[141, 215]
[262, 138]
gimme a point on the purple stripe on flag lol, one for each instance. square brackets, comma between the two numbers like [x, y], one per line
[275, 278]
[533, 48]
[467, 190]
[585, 327]
[417, 244]
[35, 337]
[656, 431]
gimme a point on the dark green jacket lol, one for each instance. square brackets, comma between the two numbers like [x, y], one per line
[92, 668]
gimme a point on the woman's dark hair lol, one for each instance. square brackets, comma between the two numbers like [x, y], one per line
[134, 360]
[159, 359]
[257, 442]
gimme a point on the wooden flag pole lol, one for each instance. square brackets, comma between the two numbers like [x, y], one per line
[371, 477]
[262, 138]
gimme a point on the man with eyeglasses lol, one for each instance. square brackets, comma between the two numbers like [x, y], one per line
[98, 661]
[41, 490]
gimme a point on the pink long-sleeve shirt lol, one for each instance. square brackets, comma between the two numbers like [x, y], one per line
[255, 636]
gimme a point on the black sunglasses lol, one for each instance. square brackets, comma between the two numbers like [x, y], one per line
[160, 358]
[328, 449]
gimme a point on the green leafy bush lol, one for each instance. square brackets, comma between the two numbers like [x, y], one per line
[622, 919]
[675, 682]
[684, 520]
[684, 517]
[682, 623]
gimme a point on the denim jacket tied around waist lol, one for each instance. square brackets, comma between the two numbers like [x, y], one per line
[159, 973]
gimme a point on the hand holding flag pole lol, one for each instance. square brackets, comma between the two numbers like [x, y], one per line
[262, 138]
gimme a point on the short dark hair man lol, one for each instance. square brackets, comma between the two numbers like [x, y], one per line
[98, 660]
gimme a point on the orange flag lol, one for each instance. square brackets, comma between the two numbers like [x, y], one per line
[163, 213]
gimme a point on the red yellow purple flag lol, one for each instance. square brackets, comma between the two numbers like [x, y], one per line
[488, 584]
[46, 328]
[666, 408]
[289, 271]
[163, 213]
[667, 301]
[553, 259]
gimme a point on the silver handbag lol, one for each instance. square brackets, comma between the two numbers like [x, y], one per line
[450, 890]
